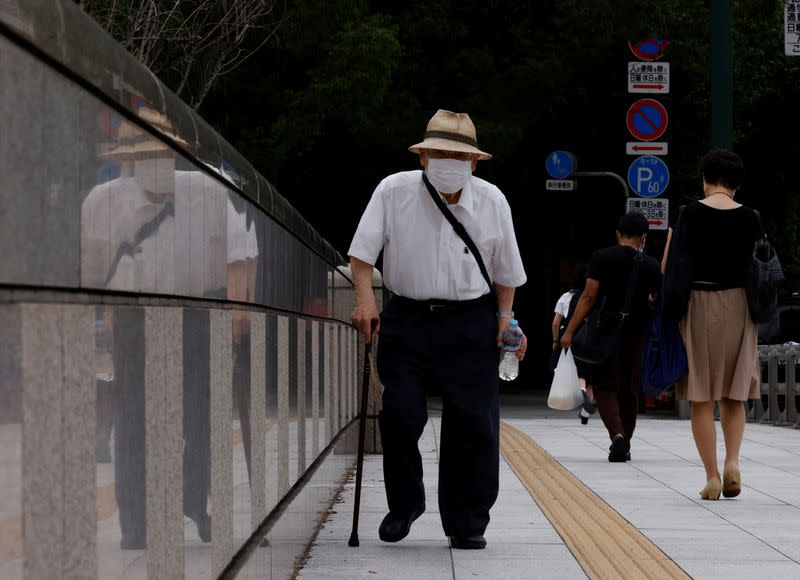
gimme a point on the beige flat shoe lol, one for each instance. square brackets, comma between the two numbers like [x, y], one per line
[731, 480]
[712, 489]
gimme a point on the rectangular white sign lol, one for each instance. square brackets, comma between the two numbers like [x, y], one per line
[561, 185]
[648, 77]
[655, 210]
[791, 27]
[646, 148]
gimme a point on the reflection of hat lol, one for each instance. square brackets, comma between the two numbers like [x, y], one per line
[133, 142]
[448, 131]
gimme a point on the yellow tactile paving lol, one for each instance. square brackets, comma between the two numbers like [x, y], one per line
[605, 544]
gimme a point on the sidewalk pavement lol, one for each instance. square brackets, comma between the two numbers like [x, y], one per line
[756, 535]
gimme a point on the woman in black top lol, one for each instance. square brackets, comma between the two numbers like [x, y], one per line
[715, 239]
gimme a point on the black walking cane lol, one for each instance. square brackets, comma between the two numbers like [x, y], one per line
[362, 434]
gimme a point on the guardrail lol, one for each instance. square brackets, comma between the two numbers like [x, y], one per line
[780, 392]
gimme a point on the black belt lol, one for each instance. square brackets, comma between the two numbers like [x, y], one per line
[441, 306]
[711, 286]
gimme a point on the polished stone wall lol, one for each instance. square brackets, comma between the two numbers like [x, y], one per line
[172, 356]
[142, 429]
[143, 198]
[76, 45]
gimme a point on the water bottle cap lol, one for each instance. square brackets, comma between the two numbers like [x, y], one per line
[513, 323]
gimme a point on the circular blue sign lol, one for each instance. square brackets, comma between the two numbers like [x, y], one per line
[647, 119]
[560, 164]
[650, 48]
[648, 176]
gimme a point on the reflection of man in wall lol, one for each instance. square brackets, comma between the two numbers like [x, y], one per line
[242, 262]
[136, 236]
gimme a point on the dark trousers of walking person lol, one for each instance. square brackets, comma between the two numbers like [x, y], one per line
[196, 412]
[129, 425]
[452, 348]
[241, 392]
[617, 385]
[129, 421]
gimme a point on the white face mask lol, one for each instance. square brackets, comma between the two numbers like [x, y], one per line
[155, 175]
[449, 175]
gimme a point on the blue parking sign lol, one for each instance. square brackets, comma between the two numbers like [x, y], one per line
[648, 176]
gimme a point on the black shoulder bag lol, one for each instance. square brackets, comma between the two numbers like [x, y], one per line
[598, 339]
[676, 286]
[459, 228]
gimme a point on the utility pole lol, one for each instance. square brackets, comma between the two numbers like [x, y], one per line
[721, 74]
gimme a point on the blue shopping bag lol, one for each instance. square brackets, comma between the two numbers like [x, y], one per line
[664, 362]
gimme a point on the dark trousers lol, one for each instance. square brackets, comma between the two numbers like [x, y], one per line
[617, 385]
[456, 352]
[129, 408]
[241, 392]
[129, 417]
[196, 411]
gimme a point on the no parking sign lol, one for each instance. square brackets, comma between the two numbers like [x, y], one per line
[647, 119]
[648, 176]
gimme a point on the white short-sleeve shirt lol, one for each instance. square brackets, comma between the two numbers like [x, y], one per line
[423, 257]
[242, 241]
[562, 306]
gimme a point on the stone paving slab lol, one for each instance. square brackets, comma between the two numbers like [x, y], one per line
[756, 535]
[750, 536]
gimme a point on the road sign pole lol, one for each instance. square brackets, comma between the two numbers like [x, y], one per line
[610, 174]
[721, 74]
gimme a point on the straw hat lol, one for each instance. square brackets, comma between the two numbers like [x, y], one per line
[448, 131]
[133, 142]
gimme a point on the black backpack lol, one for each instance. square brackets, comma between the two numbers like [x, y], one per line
[573, 304]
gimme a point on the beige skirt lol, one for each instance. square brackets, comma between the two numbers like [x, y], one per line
[720, 339]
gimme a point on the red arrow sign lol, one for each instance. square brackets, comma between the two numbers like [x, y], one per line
[655, 222]
[651, 148]
[641, 86]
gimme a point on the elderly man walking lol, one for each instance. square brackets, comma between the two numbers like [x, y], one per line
[451, 298]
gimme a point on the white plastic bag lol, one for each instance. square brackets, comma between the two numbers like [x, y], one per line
[565, 392]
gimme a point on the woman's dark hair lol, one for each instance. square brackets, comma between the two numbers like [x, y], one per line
[722, 167]
[579, 277]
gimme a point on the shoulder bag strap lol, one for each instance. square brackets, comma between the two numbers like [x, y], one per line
[128, 248]
[459, 229]
[637, 262]
[677, 244]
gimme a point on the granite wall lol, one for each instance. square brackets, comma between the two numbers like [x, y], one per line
[172, 355]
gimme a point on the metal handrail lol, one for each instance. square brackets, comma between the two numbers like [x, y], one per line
[775, 356]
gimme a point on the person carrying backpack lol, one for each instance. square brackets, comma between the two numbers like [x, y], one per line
[565, 308]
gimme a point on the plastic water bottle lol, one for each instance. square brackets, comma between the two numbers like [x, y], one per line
[512, 340]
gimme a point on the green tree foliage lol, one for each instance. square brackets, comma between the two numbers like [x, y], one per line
[347, 86]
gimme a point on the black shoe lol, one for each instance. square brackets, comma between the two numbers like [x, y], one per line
[588, 404]
[203, 523]
[133, 542]
[584, 420]
[618, 451]
[394, 528]
[628, 456]
[468, 542]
